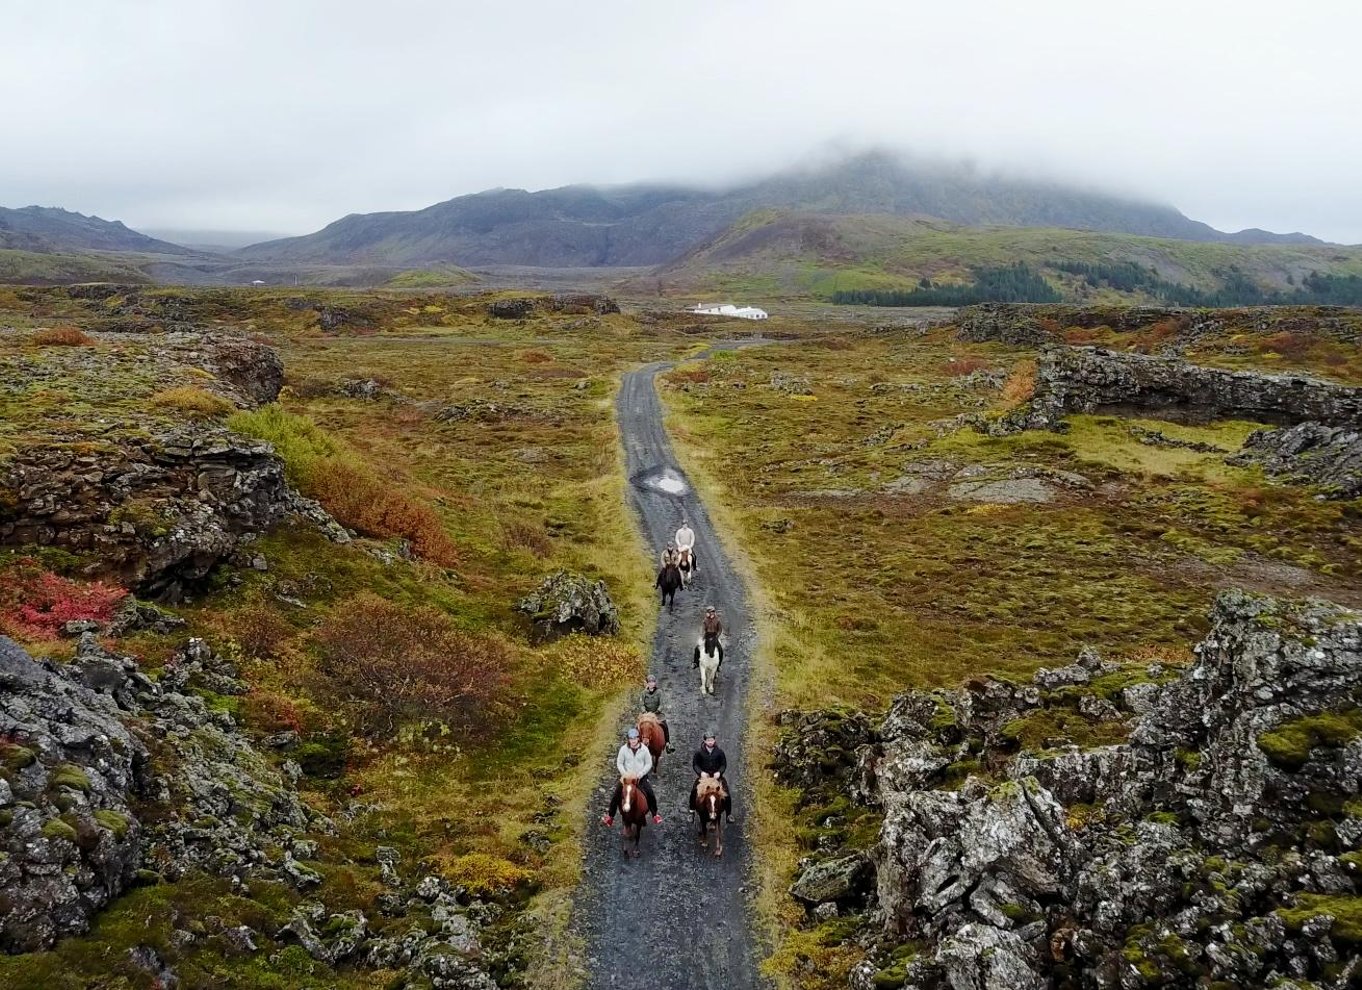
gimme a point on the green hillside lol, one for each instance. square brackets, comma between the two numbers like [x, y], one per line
[777, 254]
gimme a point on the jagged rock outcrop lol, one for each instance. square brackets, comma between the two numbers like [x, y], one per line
[83, 813]
[1211, 847]
[510, 309]
[1329, 457]
[158, 513]
[582, 303]
[1036, 323]
[1092, 379]
[566, 603]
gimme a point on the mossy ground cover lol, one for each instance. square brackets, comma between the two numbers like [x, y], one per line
[519, 492]
[881, 578]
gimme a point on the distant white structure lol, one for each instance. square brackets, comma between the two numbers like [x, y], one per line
[259, 281]
[728, 309]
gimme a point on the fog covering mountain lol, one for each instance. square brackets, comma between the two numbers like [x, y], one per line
[649, 224]
[49, 229]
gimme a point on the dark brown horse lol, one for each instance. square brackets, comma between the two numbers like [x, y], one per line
[633, 813]
[669, 580]
[650, 731]
[709, 808]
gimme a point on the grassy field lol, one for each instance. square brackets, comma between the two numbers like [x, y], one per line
[523, 479]
[859, 504]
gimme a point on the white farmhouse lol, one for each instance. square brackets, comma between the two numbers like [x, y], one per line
[728, 309]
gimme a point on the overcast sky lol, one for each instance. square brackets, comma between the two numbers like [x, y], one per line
[287, 114]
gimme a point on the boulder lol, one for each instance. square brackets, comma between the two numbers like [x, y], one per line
[567, 603]
[843, 880]
[1329, 457]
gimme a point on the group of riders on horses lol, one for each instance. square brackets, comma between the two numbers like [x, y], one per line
[635, 761]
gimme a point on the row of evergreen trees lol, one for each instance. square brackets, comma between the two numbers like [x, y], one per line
[1010, 283]
[1020, 283]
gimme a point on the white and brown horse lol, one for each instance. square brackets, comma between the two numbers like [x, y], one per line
[709, 654]
[685, 560]
[709, 808]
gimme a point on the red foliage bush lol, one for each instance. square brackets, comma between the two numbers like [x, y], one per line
[35, 604]
[384, 666]
[1289, 345]
[364, 502]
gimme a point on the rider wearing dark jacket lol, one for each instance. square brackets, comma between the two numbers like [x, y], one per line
[712, 627]
[652, 702]
[709, 758]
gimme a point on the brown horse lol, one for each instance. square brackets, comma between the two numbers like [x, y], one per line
[669, 582]
[633, 813]
[650, 731]
[709, 808]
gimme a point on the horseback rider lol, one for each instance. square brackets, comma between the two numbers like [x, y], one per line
[685, 540]
[633, 760]
[652, 702]
[709, 758]
[712, 627]
[669, 555]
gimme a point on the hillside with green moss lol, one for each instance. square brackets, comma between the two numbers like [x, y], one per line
[773, 254]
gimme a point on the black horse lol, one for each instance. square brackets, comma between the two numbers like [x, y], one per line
[669, 581]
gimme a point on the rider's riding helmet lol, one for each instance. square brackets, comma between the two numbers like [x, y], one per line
[710, 608]
[711, 734]
[651, 679]
[633, 734]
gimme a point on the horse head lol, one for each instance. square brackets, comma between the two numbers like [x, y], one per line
[684, 560]
[709, 795]
[628, 793]
[711, 643]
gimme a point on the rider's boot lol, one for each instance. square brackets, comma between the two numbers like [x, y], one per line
[607, 820]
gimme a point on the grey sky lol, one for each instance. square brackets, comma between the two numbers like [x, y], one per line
[285, 115]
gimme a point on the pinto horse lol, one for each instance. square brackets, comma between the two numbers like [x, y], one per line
[686, 561]
[650, 731]
[633, 813]
[669, 580]
[709, 654]
[709, 806]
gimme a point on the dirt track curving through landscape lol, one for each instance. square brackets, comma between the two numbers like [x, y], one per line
[676, 918]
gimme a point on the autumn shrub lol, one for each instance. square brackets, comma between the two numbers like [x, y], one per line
[257, 628]
[386, 666]
[536, 357]
[63, 337]
[196, 403]
[1293, 346]
[1021, 383]
[517, 534]
[693, 376]
[352, 491]
[268, 711]
[35, 604]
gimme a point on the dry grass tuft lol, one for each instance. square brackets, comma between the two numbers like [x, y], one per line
[63, 337]
[196, 403]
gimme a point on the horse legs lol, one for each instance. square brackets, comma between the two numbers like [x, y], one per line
[719, 836]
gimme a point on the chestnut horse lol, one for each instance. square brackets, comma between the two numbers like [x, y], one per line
[650, 731]
[709, 808]
[633, 813]
[669, 581]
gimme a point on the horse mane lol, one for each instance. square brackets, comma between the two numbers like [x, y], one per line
[709, 785]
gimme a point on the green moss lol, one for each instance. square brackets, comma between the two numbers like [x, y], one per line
[113, 821]
[1346, 911]
[324, 757]
[72, 776]
[57, 829]
[1162, 818]
[1051, 726]
[15, 757]
[1289, 745]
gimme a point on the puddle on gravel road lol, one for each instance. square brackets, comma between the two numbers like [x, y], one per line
[666, 480]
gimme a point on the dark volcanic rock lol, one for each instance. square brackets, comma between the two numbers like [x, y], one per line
[567, 603]
[511, 309]
[1091, 379]
[1327, 456]
[77, 749]
[1208, 849]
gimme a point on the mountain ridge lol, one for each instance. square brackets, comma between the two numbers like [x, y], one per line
[52, 230]
[655, 223]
